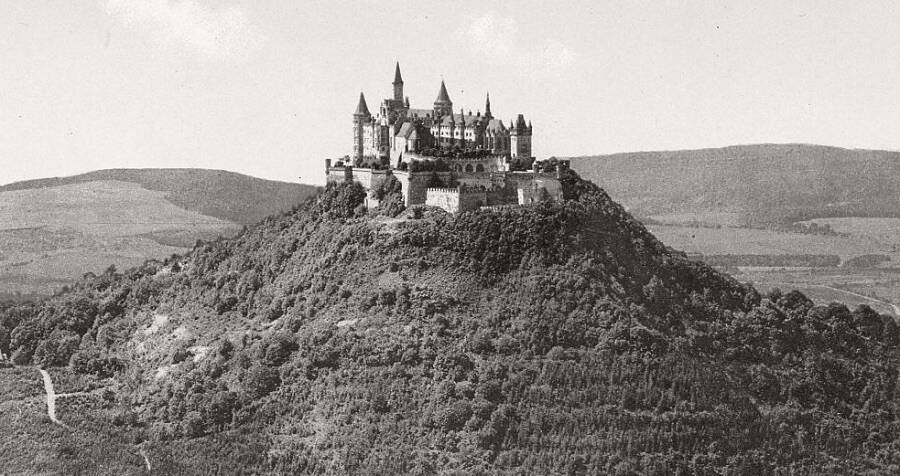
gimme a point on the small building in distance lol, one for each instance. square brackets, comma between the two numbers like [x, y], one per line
[457, 162]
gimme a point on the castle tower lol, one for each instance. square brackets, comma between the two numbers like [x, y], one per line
[361, 119]
[462, 129]
[487, 107]
[398, 85]
[451, 131]
[442, 105]
[520, 139]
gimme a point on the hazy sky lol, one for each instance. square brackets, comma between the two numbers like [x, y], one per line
[267, 87]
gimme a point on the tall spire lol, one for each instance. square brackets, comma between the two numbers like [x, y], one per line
[397, 77]
[487, 106]
[362, 109]
[398, 86]
[443, 97]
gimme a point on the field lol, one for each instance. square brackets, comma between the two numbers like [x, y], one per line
[51, 236]
[876, 286]
[53, 230]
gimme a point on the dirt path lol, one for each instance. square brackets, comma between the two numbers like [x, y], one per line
[146, 459]
[51, 399]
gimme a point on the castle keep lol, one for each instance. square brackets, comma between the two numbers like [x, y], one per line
[455, 161]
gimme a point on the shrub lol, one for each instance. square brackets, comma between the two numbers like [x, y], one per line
[261, 381]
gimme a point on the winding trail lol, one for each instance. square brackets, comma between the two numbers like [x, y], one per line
[51, 399]
[146, 459]
[51, 410]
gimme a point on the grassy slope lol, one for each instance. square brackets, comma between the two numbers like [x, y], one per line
[54, 230]
[765, 183]
[51, 236]
[217, 193]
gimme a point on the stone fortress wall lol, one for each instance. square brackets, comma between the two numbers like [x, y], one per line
[454, 200]
[459, 191]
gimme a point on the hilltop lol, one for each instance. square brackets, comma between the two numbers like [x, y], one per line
[56, 229]
[761, 184]
[559, 338]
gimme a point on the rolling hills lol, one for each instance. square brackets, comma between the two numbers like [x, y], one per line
[561, 338]
[776, 203]
[756, 185]
[54, 230]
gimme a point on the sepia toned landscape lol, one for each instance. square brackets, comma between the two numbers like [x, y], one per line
[413, 238]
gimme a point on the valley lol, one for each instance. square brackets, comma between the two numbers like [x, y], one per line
[728, 247]
[819, 219]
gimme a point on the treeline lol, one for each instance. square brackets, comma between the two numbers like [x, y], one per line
[778, 261]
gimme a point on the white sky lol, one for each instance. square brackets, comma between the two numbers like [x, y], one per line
[267, 87]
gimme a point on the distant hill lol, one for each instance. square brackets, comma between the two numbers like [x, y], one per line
[217, 193]
[760, 184]
[561, 338]
[54, 230]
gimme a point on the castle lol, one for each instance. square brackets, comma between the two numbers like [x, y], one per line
[457, 162]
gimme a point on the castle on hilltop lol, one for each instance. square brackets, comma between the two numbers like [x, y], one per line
[457, 162]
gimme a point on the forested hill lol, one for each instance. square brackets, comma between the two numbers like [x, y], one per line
[217, 193]
[764, 183]
[561, 338]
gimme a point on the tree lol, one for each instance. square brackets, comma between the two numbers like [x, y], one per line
[261, 381]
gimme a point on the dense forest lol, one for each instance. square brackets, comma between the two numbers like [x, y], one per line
[560, 338]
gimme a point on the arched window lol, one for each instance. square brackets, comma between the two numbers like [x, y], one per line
[469, 168]
[479, 168]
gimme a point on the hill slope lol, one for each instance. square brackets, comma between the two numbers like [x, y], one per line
[762, 184]
[221, 194]
[556, 339]
[54, 230]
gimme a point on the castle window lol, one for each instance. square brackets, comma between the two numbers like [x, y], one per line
[469, 168]
[479, 168]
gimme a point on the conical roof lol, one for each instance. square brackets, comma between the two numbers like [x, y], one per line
[443, 97]
[397, 77]
[362, 109]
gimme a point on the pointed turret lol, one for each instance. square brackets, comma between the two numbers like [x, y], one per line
[443, 105]
[361, 120]
[398, 84]
[443, 97]
[397, 77]
[487, 106]
[362, 109]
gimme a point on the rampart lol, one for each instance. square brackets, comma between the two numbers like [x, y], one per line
[453, 200]
[471, 191]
